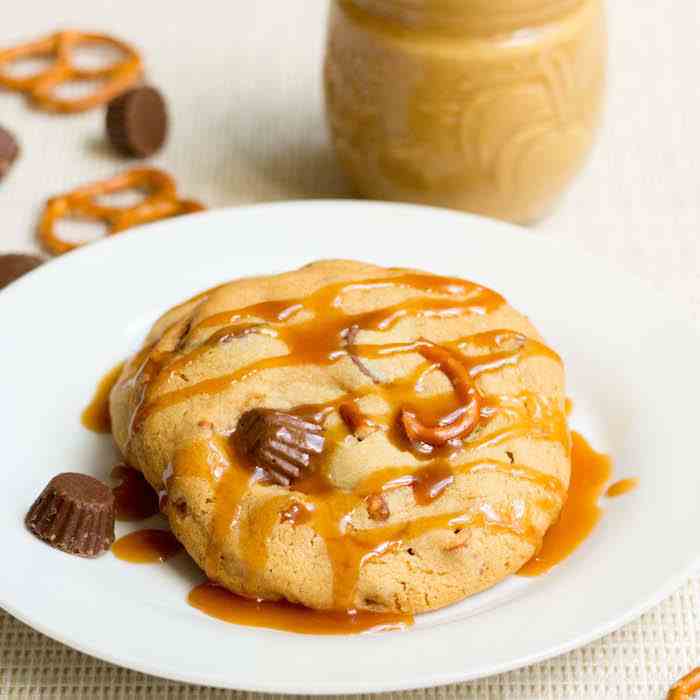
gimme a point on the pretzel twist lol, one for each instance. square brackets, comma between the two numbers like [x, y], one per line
[161, 202]
[40, 87]
[686, 686]
[465, 422]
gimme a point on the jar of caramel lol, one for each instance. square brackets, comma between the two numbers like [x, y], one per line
[484, 105]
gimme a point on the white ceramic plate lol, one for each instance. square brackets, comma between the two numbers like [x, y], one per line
[630, 357]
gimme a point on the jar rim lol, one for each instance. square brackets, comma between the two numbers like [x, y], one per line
[467, 16]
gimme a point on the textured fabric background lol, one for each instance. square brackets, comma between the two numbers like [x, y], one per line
[243, 83]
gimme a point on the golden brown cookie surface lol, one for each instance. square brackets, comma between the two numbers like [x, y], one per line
[366, 518]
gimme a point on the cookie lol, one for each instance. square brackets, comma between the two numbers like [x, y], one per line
[347, 436]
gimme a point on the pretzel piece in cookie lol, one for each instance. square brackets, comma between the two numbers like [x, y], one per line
[451, 427]
[60, 47]
[161, 202]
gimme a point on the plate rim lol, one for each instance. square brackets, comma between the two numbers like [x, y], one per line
[335, 688]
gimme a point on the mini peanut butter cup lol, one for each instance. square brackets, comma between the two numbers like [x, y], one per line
[137, 122]
[9, 150]
[14, 265]
[74, 513]
[282, 444]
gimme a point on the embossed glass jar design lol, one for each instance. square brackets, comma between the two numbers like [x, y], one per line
[488, 106]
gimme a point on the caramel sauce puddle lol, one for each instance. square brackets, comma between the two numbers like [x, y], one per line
[148, 546]
[222, 604]
[590, 470]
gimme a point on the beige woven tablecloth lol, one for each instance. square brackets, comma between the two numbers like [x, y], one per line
[243, 82]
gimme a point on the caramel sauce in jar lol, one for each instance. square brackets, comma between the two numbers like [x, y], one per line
[96, 417]
[148, 546]
[222, 604]
[590, 470]
[489, 106]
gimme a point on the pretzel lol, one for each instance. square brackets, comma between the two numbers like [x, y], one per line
[40, 87]
[443, 432]
[686, 686]
[360, 425]
[161, 202]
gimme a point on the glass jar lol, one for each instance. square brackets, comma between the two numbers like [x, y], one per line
[488, 106]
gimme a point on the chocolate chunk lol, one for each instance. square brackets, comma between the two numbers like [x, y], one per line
[14, 265]
[74, 513]
[9, 150]
[137, 122]
[282, 444]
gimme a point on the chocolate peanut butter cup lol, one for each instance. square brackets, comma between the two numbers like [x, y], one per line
[282, 444]
[74, 513]
[137, 122]
[9, 150]
[14, 265]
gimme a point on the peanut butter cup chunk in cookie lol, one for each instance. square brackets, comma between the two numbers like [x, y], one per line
[347, 436]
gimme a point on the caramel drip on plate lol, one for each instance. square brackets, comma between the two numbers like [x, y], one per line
[96, 417]
[222, 604]
[568, 406]
[146, 546]
[318, 330]
[619, 488]
[589, 472]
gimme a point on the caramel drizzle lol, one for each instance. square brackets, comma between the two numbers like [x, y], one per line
[313, 341]
[430, 481]
[315, 331]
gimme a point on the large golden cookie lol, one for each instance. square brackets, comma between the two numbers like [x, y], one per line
[380, 522]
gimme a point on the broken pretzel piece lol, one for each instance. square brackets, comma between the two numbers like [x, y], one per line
[461, 422]
[161, 202]
[281, 444]
[41, 87]
[686, 686]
